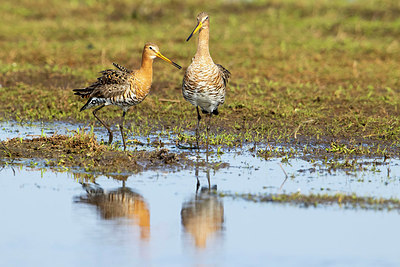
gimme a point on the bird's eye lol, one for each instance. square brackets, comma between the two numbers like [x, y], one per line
[151, 48]
[206, 18]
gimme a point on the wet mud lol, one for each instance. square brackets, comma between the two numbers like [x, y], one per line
[83, 152]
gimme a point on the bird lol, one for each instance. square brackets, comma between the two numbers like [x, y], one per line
[203, 218]
[204, 82]
[122, 202]
[122, 87]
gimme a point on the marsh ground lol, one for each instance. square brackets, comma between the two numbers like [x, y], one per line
[325, 70]
[313, 101]
[319, 78]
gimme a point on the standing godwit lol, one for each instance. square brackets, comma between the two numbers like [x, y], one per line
[123, 88]
[204, 82]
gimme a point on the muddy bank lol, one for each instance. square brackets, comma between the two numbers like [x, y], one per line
[82, 151]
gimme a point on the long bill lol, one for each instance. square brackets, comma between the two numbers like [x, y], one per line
[168, 60]
[198, 27]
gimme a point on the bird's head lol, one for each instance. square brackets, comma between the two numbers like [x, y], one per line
[203, 22]
[152, 51]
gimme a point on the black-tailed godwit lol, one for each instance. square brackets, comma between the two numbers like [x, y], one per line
[204, 82]
[122, 87]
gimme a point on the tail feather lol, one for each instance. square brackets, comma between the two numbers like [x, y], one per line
[215, 111]
[121, 68]
[84, 92]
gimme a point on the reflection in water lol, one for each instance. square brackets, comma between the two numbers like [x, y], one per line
[203, 216]
[122, 202]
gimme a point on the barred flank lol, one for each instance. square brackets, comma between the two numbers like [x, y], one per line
[206, 82]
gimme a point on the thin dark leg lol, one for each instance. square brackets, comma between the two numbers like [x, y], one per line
[196, 172]
[208, 177]
[208, 130]
[197, 128]
[207, 164]
[197, 177]
[110, 135]
[121, 126]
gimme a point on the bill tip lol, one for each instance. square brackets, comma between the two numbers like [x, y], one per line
[176, 65]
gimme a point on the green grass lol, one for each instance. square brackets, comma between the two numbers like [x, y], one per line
[320, 69]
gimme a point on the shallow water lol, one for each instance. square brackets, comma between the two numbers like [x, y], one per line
[158, 220]
[247, 173]
[156, 217]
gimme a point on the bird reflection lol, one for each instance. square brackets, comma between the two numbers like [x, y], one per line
[122, 202]
[203, 216]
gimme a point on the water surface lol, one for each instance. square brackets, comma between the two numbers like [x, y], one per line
[153, 220]
[158, 218]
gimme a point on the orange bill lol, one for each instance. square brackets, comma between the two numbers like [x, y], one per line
[168, 60]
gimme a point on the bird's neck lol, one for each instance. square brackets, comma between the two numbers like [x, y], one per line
[202, 46]
[144, 77]
[146, 69]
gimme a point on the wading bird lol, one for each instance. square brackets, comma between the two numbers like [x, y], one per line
[204, 82]
[119, 203]
[122, 87]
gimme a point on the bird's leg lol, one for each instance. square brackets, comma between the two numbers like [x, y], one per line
[208, 130]
[121, 127]
[110, 135]
[197, 127]
[208, 177]
[207, 165]
[197, 177]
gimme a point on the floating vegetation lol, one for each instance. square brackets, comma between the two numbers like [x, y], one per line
[315, 200]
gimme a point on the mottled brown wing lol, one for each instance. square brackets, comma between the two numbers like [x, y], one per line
[225, 73]
[121, 68]
[112, 83]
